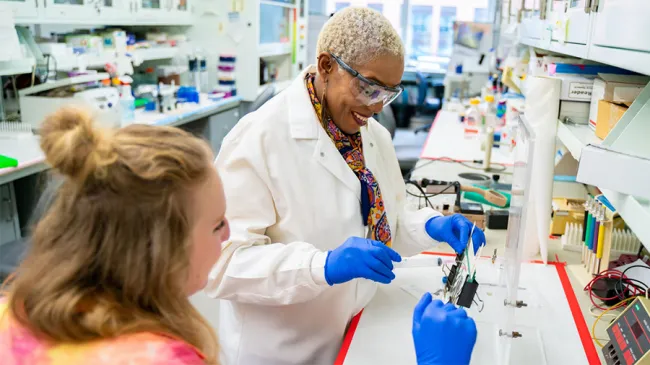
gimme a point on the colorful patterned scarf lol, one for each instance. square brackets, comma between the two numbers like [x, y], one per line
[351, 149]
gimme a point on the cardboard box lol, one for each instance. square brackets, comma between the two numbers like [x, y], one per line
[566, 211]
[608, 115]
[619, 89]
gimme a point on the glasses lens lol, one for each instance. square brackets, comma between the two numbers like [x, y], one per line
[370, 94]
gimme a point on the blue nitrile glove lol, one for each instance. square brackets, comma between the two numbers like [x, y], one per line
[360, 258]
[454, 229]
[442, 333]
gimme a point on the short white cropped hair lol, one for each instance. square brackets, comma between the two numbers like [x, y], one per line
[358, 35]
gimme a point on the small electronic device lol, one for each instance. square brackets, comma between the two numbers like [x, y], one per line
[461, 285]
[630, 336]
[39, 101]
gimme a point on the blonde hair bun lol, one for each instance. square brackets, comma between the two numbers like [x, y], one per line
[74, 147]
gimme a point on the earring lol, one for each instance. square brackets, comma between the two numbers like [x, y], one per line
[323, 104]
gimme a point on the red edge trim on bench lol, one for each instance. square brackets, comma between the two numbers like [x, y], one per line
[578, 318]
[340, 359]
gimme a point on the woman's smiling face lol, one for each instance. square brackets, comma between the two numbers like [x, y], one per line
[347, 112]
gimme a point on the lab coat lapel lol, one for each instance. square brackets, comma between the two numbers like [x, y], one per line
[304, 124]
[328, 156]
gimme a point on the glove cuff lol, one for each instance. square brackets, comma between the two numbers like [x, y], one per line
[326, 276]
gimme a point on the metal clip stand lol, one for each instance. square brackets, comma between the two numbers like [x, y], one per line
[517, 304]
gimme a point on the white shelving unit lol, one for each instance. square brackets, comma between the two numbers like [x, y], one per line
[98, 13]
[635, 211]
[275, 49]
[282, 42]
[99, 60]
[575, 137]
[600, 31]
[16, 67]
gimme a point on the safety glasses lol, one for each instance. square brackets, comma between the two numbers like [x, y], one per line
[366, 91]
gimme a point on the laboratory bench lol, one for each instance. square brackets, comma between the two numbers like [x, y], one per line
[388, 317]
[21, 187]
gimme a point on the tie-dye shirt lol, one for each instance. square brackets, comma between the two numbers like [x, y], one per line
[18, 346]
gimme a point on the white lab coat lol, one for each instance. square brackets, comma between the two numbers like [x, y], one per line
[291, 198]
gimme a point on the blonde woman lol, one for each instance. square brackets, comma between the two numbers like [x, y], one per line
[319, 211]
[133, 231]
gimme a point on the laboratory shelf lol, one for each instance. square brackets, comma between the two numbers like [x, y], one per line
[16, 67]
[625, 59]
[278, 85]
[635, 211]
[99, 60]
[156, 53]
[274, 49]
[575, 137]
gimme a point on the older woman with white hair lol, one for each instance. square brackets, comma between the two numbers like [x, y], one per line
[319, 212]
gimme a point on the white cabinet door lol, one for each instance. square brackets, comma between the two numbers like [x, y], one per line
[118, 11]
[578, 19]
[181, 11]
[22, 9]
[153, 11]
[570, 21]
[622, 24]
[75, 10]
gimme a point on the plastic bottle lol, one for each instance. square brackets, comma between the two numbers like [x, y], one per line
[127, 105]
[203, 70]
[194, 72]
[490, 112]
[487, 88]
[473, 114]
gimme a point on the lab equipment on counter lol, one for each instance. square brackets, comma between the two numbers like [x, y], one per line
[460, 284]
[473, 118]
[195, 72]
[6, 161]
[37, 102]
[187, 94]
[169, 74]
[203, 75]
[127, 105]
[165, 97]
[226, 75]
[629, 335]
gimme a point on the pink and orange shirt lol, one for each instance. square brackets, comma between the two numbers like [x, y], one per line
[18, 346]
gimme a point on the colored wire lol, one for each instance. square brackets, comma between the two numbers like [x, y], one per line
[502, 168]
[624, 288]
[616, 306]
[424, 194]
[620, 280]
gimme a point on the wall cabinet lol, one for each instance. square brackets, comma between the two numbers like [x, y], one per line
[613, 32]
[27, 9]
[102, 12]
[578, 20]
[622, 24]
[65, 10]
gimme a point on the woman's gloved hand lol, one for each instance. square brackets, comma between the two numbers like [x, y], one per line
[454, 230]
[360, 258]
[442, 333]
